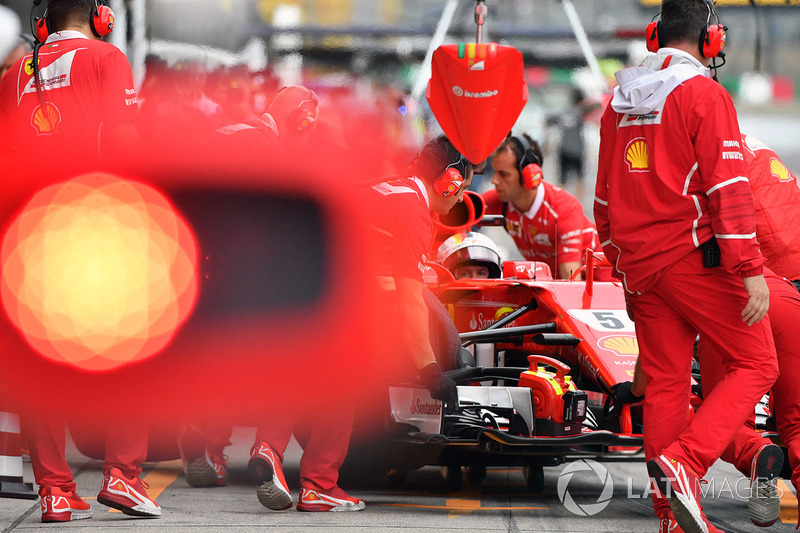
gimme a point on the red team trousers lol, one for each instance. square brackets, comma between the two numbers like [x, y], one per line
[689, 299]
[125, 448]
[325, 439]
[784, 317]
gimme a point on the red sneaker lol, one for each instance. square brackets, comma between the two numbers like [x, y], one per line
[334, 499]
[681, 487]
[127, 495]
[221, 469]
[266, 472]
[62, 505]
[764, 504]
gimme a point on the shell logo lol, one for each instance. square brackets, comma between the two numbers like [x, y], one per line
[779, 170]
[637, 155]
[620, 344]
[45, 119]
[503, 311]
[98, 272]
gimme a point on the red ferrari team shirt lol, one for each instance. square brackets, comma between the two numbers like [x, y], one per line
[555, 228]
[86, 85]
[776, 194]
[671, 178]
[404, 228]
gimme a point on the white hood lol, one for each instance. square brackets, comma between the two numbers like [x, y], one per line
[642, 89]
[9, 31]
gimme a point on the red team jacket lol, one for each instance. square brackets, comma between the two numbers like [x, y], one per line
[556, 217]
[671, 172]
[404, 229]
[776, 194]
[86, 84]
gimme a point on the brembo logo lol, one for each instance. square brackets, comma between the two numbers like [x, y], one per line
[426, 408]
[458, 91]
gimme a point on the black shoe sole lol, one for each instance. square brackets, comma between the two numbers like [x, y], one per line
[259, 470]
[770, 462]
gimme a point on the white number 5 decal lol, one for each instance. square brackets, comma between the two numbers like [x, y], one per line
[604, 319]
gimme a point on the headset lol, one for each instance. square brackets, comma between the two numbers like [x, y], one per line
[303, 117]
[101, 20]
[530, 165]
[712, 37]
[451, 180]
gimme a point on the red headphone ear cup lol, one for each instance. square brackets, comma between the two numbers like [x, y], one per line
[712, 41]
[42, 30]
[653, 37]
[448, 183]
[531, 176]
[102, 20]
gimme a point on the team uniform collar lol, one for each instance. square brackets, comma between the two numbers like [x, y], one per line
[64, 35]
[667, 51]
[422, 188]
[537, 203]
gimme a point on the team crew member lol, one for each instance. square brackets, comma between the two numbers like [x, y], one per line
[547, 223]
[776, 195]
[777, 200]
[439, 177]
[84, 105]
[290, 116]
[286, 125]
[86, 97]
[401, 208]
[671, 177]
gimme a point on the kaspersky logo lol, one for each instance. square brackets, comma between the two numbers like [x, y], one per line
[637, 155]
[458, 91]
[45, 119]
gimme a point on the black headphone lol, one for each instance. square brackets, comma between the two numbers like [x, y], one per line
[529, 165]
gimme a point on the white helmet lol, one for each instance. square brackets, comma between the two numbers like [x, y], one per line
[470, 248]
[9, 31]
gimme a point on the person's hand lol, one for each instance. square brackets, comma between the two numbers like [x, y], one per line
[623, 393]
[440, 386]
[757, 299]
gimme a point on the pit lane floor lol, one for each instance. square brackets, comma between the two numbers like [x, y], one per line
[501, 503]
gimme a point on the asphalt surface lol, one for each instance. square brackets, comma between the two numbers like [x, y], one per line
[421, 503]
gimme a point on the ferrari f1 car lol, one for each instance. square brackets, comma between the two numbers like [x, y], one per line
[537, 364]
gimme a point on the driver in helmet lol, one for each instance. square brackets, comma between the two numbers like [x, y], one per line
[471, 255]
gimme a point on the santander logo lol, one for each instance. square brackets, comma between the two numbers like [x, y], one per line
[425, 408]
